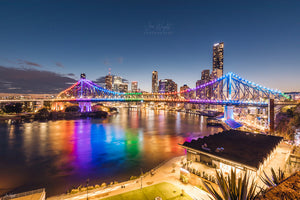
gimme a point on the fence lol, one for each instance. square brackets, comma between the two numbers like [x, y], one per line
[13, 196]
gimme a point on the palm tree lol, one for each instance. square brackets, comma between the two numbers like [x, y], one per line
[275, 179]
[233, 188]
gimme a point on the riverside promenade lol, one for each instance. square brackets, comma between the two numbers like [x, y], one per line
[162, 173]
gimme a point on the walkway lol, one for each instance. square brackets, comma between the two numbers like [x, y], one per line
[161, 174]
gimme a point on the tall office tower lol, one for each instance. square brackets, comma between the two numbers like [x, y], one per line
[154, 82]
[218, 55]
[205, 75]
[108, 82]
[123, 87]
[202, 93]
[217, 73]
[186, 95]
[167, 85]
[184, 87]
[117, 81]
[134, 86]
[215, 91]
[205, 78]
[83, 75]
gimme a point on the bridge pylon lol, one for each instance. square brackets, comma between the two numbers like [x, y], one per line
[85, 106]
[228, 112]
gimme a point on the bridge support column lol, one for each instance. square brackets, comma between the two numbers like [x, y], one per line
[228, 112]
[85, 106]
[271, 116]
[57, 106]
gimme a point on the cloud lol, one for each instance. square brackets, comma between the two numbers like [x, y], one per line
[29, 63]
[71, 74]
[16, 80]
[120, 60]
[58, 64]
[9, 61]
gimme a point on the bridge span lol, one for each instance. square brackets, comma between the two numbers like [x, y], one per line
[229, 91]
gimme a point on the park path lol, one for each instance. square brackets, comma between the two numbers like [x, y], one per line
[163, 173]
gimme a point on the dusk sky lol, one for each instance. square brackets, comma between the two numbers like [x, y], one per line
[133, 38]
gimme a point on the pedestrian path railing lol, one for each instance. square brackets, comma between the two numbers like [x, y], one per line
[13, 196]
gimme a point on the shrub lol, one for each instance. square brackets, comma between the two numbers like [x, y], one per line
[74, 191]
[133, 177]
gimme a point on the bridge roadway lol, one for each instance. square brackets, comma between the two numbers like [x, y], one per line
[168, 100]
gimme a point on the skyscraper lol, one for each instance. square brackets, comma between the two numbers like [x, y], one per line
[108, 82]
[154, 82]
[218, 55]
[117, 82]
[205, 75]
[123, 87]
[205, 78]
[167, 85]
[186, 95]
[134, 86]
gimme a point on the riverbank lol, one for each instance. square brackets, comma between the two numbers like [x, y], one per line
[29, 117]
[168, 171]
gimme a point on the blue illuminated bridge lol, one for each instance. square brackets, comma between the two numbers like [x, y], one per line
[229, 90]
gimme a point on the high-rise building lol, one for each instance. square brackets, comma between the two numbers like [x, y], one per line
[134, 86]
[167, 85]
[83, 76]
[202, 93]
[123, 87]
[218, 55]
[205, 75]
[217, 73]
[117, 81]
[205, 78]
[216, 89]
[184, 87]
[188, 94]
[154, 82]
[108, 82]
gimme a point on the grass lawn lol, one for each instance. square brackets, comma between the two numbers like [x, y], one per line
[164, 190]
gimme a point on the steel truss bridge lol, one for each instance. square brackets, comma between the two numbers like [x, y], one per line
[228, 90]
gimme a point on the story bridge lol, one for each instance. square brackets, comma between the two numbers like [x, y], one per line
[228, 91]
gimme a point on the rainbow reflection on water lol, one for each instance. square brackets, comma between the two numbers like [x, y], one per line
[61, 154]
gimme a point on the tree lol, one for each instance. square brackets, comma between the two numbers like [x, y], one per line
[274, 180]
[72, 109]
[232, 187]
[42, 114]
[287, 122]
[13, 108]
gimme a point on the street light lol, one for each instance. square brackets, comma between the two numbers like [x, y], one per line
[87, 189]
[141, 178]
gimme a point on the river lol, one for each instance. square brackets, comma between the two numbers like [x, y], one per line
[61, 154]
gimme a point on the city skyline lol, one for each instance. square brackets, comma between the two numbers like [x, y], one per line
[149, 99]
[176, 39]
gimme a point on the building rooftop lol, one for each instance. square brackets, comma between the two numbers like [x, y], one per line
[243, 147]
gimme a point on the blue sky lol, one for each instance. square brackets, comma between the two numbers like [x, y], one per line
[136, 37]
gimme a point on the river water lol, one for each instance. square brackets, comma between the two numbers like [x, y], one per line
[61, 154]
